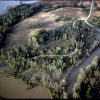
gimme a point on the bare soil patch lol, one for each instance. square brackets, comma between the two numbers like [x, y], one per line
[47, 21]
[97, 13]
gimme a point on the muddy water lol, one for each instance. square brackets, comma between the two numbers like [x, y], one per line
[12, 88]
[73, 76]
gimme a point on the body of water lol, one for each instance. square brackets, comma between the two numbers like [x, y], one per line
[14, 89]
[73, 76]
[6, 4]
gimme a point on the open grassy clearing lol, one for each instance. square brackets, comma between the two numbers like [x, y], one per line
[47, 21]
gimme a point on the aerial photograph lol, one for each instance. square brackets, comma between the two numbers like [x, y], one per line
[50, 49]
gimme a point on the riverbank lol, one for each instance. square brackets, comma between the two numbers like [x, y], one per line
[13, 89]
[17, 90]
[73, 75]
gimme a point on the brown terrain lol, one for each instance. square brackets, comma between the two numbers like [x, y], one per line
[47, 21]
[18, 37]
[42, 20]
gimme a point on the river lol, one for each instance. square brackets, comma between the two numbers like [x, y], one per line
[11, 88]
[4, 5]
[14, 89]
[73, 74]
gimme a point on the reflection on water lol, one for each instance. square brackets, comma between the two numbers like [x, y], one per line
[5, 4]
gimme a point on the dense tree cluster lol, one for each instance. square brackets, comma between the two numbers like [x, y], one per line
[85, 35]
[26, 10]
[40, 36]
[95, 21]
[6, 22]
[35, 71]
[88, 82]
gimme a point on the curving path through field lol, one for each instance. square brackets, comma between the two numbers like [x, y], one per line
[74, 73]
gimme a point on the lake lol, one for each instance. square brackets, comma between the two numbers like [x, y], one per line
[5, 4]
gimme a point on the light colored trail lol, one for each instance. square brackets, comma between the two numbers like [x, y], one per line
[86, 19]
[83, 19]
[76, 49]
[89, 15]
[56, 55]
[74, 73]
[76, 21]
